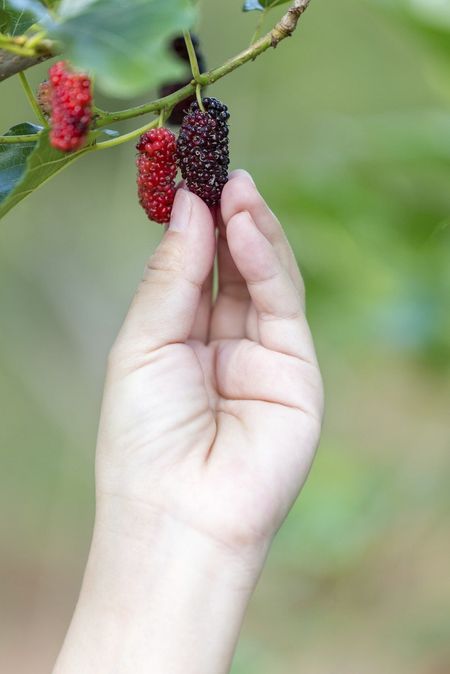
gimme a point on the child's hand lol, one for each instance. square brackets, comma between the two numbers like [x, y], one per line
[212, 412]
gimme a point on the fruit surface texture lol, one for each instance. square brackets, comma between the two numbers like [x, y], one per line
[71, 107]
[202, 150]
[157, 168]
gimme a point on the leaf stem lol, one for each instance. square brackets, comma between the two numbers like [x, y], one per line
[284, 28]
[192, 56]
[31, 98]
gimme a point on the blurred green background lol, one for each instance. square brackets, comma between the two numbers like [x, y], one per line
[346, 128]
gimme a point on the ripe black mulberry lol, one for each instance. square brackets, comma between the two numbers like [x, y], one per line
[202, 150]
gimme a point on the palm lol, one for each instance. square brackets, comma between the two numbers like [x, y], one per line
[223, 426]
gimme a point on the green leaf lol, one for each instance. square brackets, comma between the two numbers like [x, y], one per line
[124, 42]
[14, 21]
[26, 166]
[28, 13]
[13, 158]
[260, 5]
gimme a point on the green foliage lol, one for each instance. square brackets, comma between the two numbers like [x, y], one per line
[33, 11]
[124, 43]
[14, 22]
[13, 159]
[261, 5]
[26, 166]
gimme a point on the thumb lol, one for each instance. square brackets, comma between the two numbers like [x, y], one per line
[165, 305]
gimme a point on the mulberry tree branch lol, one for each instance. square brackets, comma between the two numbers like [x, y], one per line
[20, 53]
[283, 29]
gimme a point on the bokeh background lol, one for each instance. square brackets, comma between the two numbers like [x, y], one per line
[346, 128]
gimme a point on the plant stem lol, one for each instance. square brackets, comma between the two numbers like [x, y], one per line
[31, 98]
[192, 56]
[106, 144]
[282, 30]
[31, 138]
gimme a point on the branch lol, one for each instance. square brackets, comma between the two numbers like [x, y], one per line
[284, 28]
[19, 53]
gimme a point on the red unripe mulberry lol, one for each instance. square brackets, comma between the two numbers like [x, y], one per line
[71, 107]
[157, 169]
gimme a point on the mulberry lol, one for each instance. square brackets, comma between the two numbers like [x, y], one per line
[157, 169]
[44, 98]
[202, 150]
[71, 107]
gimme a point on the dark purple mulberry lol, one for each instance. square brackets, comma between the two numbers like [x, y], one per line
[202, 150]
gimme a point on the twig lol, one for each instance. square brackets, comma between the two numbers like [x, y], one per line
[282, 30]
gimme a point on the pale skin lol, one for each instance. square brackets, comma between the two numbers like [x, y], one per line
[211, 418]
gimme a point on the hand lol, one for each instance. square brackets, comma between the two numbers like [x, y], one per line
[212, 411]
[210, 420]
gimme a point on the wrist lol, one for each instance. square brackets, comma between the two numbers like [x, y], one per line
[158, 595]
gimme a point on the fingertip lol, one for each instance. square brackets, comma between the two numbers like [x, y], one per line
[252, 253]
[239, 194]
[241, 173]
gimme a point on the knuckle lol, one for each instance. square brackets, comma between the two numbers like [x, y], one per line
[168, 259]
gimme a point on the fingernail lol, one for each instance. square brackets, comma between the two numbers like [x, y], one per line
[181, 211]
[243, 174]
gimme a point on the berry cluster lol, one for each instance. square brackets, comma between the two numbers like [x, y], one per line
[202, 150]
[71, 107]
[157, 169]
[178, 47]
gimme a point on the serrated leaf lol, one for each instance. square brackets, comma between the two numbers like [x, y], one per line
[124, 42]
[27, 168]
[13, 158]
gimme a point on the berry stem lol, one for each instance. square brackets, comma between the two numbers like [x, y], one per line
[31, 98]
[198, 94]
[192, 56]
[163, 115]
[284, 28]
